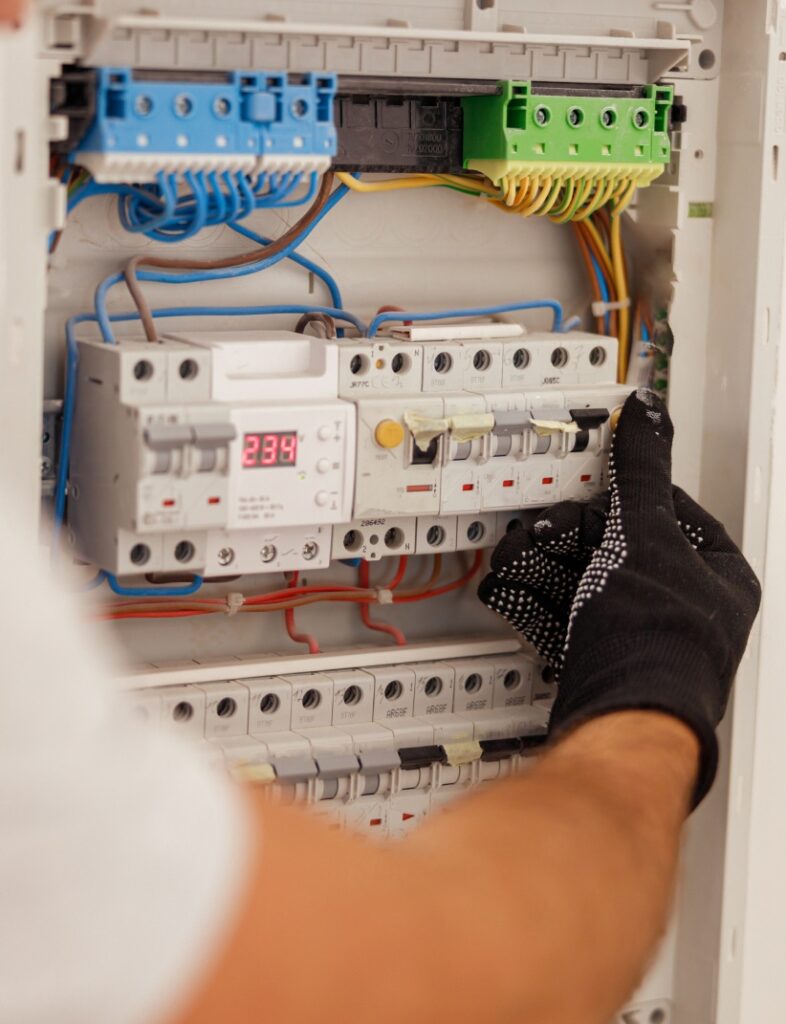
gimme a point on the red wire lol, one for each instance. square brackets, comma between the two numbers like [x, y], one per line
[278, 595]
[289, 619]
[447, 587]
[365, 609]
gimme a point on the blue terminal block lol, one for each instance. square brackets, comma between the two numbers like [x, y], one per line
[296, 125]
[249, 123]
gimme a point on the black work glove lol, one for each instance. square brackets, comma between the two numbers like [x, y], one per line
[648, 607]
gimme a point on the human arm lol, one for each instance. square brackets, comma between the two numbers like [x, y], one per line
[539, 899]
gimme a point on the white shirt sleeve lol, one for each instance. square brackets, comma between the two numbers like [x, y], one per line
[122, 856]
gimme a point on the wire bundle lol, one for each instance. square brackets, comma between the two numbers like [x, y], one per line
[292, 597]
[175, 209]
[600, 241]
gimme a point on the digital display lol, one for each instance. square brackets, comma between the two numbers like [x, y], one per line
[263, 451]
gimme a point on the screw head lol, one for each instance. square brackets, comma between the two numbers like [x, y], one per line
[183, 105]
[225, 556]
[143, 105]
[46, 467]
[221, 106]
[310, 550]
[268, 552]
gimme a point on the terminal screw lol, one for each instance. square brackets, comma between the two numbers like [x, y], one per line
[226, 556]
[310, 550]
[268, 552]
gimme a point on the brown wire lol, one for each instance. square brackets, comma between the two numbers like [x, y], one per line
[241, 260]
[327, 323]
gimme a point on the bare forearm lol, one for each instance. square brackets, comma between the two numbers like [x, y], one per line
[583, 851]
[542, 896]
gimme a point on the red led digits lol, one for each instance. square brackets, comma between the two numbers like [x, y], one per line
[287, 449]
[268, 449]
[251, 445]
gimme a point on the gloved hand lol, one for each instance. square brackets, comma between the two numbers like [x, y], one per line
[647, 607]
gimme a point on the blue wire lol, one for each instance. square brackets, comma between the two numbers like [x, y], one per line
[309, 195]
[383, 318]
[184, 591]
[645, 334]
[302, 261]
[231, 272]
[604, 291]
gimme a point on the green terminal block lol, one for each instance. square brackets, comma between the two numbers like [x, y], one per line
[520, 134]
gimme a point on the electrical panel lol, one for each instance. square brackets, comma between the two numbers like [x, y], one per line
[327, 300]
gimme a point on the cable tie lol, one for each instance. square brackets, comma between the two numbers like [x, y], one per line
[384, 596]
[601, 308]
[234, 603]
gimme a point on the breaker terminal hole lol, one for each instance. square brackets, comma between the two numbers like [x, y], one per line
[512, 680]
[575, 117]
[433, 687]
[473, 682]
[312, 699]
[400, 363]
[184, 551]
[597, 356]
[393, 690]
[226, 707]
[353, 695]
[435, 536]
[353, 540]
[559, 357]
[481, 360]
[521, 358]
[270, 704]
[358, 365]
[476, 531]
[143, 369]
[443, 361]
[394, 538]
[542, 116]
[188, 369]
[182, 711]
[140, 554]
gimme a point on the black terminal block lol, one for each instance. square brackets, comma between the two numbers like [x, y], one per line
[378, 133]
[413, 758]
[73, 95]
[499, 750]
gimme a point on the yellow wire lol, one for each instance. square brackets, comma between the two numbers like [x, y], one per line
[621, 285]
[477, 184]
[602, 251]
[389, 184]
[543, 190]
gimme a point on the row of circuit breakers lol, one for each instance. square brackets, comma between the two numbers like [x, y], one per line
[377, 748]
[249, 452]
